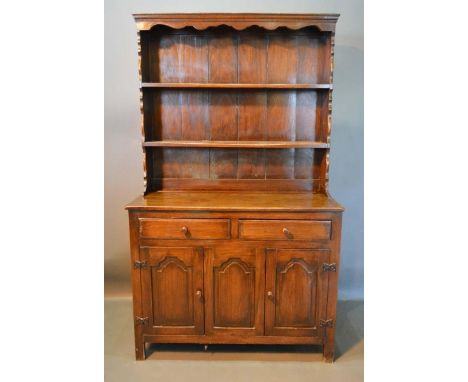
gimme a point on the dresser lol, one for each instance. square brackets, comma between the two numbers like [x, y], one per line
[235, 239]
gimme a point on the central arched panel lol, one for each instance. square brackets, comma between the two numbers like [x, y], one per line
[234, 287]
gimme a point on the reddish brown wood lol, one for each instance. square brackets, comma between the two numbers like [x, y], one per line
[296, 292]
[236, 239]
[234, 284]
[284, 230]
[257, 184]
[237, 144]
[235, 201]
[238, 21]
[225, 85]
[184, 228]
[329, 337]
[136, 287]
[172, 290]
[229, 339]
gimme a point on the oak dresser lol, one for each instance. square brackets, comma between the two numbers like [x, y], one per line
[236, 239]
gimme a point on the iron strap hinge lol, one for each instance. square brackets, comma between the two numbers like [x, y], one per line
[326, 323]
[141, 320]
[139, 264]
[329, 267]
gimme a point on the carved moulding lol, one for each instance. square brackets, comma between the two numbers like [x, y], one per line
[239, 21]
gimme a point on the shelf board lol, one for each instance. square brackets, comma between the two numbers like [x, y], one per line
[203, 85]
[240, 145]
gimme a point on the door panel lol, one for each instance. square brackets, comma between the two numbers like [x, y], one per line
[172, 290]
[296, 292]
[234, 285]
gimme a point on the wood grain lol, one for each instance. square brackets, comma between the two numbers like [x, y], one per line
[234, 201]
[170, 282]
[234, 284]
[238, 21]
[284, 230]
[297, 287]
[232, 241]
[238, 144]
[188, 85]
[184, 228]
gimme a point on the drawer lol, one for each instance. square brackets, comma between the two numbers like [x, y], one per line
[285, 229]
[184, 228]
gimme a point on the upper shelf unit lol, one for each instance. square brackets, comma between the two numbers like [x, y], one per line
[236, 101]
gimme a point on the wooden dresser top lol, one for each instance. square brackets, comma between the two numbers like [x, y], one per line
[234, 201]
[239, 21]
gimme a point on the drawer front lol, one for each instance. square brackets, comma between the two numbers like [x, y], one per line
[285, 229]
[184, 228]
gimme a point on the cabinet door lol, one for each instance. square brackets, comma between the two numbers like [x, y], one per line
[235, 287]
[296, 292]
[172, 290]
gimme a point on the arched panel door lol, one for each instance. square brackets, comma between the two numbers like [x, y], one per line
[172, 290]
[296, 292]
[234, 286]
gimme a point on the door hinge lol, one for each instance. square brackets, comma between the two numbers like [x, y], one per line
[141, 320]
[326, 323]
[329, 267]
[139, 264]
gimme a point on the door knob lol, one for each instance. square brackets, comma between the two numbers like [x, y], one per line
[199, 293]
[270, 293]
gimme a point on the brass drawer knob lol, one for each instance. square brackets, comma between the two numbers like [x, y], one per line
[287, 233]
[185, 231]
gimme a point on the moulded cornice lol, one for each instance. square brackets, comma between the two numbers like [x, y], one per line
[238, 21]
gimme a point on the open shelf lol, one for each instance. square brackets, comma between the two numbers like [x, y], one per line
[203, 85]
[240, 145]
[226, 109]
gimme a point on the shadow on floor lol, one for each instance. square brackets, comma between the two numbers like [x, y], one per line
[350, 331]
[234, 352]
[349, 326]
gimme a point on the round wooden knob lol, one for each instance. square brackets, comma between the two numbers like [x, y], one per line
[198, 293]
[270, 293]
[286, 232]
[184, 230]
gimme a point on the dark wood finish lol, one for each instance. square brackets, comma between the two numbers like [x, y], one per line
[185, 85]
[236, 238]
[296, 292]
[237, 144]
[284, 230]
[172, 290]
[260, 184]
[329, 335]
[184, 228]
[235, 201]
[238, 340]
[323, 21]
[255, 88]
[234, 285]
[136, 287]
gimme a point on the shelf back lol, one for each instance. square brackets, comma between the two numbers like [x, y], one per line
[255, 56]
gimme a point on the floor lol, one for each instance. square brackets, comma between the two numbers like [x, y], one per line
[232, 363]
